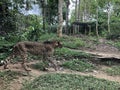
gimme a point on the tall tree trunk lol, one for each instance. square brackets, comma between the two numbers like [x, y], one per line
[43, 14]
[108, 22]
[97, 22]
[76, 10]
[108, 15]
[60, 18]
[79, 11]
[67, 13]
[84, 11]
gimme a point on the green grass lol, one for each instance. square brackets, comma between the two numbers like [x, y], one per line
[68, 53]
[8, 75]
[70, 82]
[117, 44]
[68, 41]
[73, 42]
[78, 65]
[48, 36]
[114, 70]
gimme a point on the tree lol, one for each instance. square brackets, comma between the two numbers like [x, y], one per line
[60, 18]
[67, 2]
[97, 18]
[76, 9]
[108, 8]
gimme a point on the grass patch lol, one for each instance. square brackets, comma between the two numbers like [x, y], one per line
[68, 41]
[48, 36]
[74, 43]
[67, 53]
[70, 82]
[8, 75]
[114, 70]
[117, 44]
[78, 65]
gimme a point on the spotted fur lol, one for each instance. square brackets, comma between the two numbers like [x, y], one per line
[46, 49]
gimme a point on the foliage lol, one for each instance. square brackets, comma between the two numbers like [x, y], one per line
[26, 27]
[52, 12]
[88, 8]
[5, 49]
[3, 56]
[33, 28]
[78, 65]
[70, 82]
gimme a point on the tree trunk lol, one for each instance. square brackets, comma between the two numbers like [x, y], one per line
[60, 18]
[67, 13]
[43, 18]
[108, 22]
[97, 22]
[43, 15]
[76, 10]
[108, 15]
[79, 12]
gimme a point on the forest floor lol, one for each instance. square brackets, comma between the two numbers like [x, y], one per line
[102, 50]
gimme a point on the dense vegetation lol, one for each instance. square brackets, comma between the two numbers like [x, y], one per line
[19, 25]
